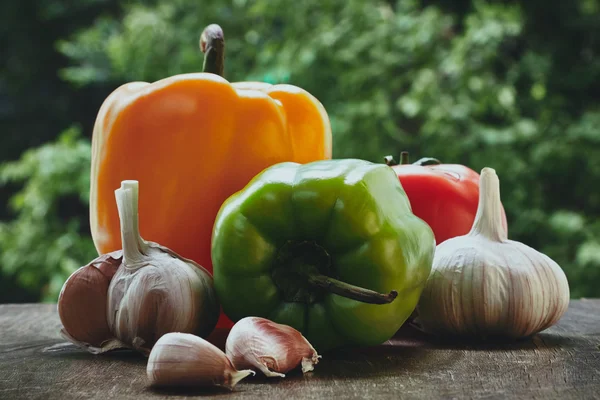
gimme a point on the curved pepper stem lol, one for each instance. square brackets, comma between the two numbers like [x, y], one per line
[212, 44]
[350, 291]
[302, 274]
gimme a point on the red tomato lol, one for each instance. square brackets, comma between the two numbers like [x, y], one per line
[443, 195]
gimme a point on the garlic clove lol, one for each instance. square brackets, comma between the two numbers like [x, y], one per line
[272, 348]
[182, 359]
[82, 304]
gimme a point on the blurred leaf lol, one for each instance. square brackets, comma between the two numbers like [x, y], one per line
[498, 84]
[567, 222]
[41, 245]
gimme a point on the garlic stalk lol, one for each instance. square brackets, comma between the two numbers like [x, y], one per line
[274, 349]
[483, 284]
[132, 297]
[181, 359]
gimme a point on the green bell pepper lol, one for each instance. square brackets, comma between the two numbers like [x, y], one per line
[330, 248]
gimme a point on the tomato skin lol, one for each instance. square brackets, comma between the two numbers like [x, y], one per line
[445, 196]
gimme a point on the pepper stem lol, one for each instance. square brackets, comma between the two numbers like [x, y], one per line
[489, 219]
[212, 44]
[350, 291]
[134, 246]
[303, 274]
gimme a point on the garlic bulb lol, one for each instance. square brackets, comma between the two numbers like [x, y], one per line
[182, 359]
[483, 284]
[155, 291]
[132, 297]
[274, 349]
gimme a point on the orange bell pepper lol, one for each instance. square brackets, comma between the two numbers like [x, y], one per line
[192, 140]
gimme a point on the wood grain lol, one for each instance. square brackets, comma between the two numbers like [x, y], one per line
[560, 363]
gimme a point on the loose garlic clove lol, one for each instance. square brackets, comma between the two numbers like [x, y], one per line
[82, 304]
[155, 291]
[182, 359]
[483, 284]
[274, 349]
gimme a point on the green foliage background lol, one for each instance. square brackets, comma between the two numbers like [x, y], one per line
[513, 85]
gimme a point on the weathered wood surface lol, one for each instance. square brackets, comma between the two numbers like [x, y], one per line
[561, 363]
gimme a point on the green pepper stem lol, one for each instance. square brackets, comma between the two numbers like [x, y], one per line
[212, 44]
[302, 274]
[350, 291]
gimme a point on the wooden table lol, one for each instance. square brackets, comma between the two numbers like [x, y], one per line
[561, 363]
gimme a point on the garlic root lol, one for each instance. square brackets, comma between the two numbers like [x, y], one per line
[274, 349]
[181, 359]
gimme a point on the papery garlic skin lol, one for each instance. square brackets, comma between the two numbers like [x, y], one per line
[483, 284]
[497, 292]
[181, 359]
[155, 291]
[164, 296]
[272, 348]
[131, 297]
[82, 304]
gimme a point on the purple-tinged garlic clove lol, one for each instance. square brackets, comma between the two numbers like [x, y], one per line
[82, 304]
[272, 348]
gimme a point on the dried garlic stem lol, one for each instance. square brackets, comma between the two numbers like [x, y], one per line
[134, 247]
[488, 220]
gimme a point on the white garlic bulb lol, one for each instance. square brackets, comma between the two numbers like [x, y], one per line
[272, 348]
[483, 284]
[182, 359]
[132, 297]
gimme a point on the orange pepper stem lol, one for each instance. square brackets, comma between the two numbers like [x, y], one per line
[212, 44]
